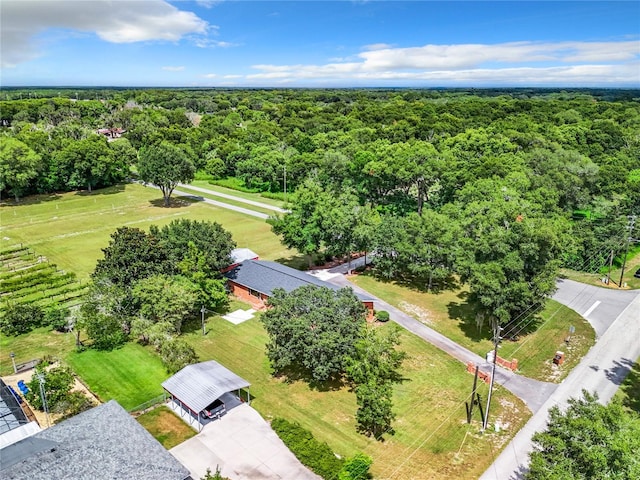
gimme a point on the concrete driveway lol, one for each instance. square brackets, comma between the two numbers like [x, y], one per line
[244, 446]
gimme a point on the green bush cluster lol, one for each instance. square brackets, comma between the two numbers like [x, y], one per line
[382, 316]
[318, 456]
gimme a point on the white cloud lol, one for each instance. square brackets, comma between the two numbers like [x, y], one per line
[115, 22]
[208, 3]
[526, 63]
[173, 69]
[210, 75]
[377, 46]
[208, 43]
[232, 76]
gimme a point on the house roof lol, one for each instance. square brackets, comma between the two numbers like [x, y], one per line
[239, 255]
[264, 277]
[200, 384]
[104, 442]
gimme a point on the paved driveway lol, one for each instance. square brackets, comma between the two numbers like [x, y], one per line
[244, 446]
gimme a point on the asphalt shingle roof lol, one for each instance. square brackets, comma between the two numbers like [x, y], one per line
[102, 443]
[200, 384]
[264, 277]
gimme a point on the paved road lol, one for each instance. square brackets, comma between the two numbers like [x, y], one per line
[234, 198]
[533, 392]
[235, 208]
[602, 370]
[216, 203]
[600, 306]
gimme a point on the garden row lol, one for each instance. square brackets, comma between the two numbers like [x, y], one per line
[29, 279]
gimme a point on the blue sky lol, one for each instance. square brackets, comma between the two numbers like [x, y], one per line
[319, 44]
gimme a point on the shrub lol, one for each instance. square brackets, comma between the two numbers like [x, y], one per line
[317, 456]
[382, 316]
[356, 468]
[57, 318]
[177, 354]
[17, 319]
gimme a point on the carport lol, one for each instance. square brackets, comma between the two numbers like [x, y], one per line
[196, 386]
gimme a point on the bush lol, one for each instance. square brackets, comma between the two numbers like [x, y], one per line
[317, 456]
[356, 468]
[382, 316]
[57, 318]
[17, 319]
[177, 354]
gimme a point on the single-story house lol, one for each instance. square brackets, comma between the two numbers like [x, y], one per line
[198, 386]
[255, 280]
[104, 442]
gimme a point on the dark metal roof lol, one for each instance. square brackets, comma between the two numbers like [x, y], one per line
[11, 414]
[200, 384]
[264, 277]
[104, 442]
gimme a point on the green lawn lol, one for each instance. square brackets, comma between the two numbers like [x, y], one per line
[431, 441]
[39, 343]
[166, 427]
[131, 375]
[451, 314]
[71, 229]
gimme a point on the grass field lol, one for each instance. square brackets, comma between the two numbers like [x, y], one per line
[131, 375]
[39, 343]
[166, 427]
[72, 229]
[451, 314]
[431, 441]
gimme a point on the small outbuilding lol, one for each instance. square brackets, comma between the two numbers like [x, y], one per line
[196, 387]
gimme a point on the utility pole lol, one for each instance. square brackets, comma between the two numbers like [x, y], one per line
[43, 397]
[497, 330]
[202, 311]
[285, 181]
[632, 221]
[13, 360]
[610, 264]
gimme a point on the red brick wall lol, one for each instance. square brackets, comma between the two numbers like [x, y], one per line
[243, 294]
[485, 377]
[511, 365]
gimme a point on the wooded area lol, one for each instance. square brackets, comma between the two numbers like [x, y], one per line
[499, 188]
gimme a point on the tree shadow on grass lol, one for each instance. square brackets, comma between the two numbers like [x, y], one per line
[174, 202]
[631, 386]
[464, 312]
[296, 373]
[30, 200]
[450, 283]
[111, 190]
[299, 262]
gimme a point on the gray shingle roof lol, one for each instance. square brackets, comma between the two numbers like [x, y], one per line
[264, 277]
[102, 443]
[200, 384]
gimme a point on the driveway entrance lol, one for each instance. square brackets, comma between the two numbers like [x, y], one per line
[244, 446]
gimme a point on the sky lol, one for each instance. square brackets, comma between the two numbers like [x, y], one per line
[359, 43]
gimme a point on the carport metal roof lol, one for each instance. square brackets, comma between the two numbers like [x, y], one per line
[200, 384]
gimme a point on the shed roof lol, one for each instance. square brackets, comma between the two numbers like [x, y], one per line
[200, 384]
[241, 254]
[104, 442]
[264, 277]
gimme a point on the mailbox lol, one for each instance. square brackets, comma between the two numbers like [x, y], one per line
[558, 359]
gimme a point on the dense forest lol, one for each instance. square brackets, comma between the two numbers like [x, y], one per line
[497, 187]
